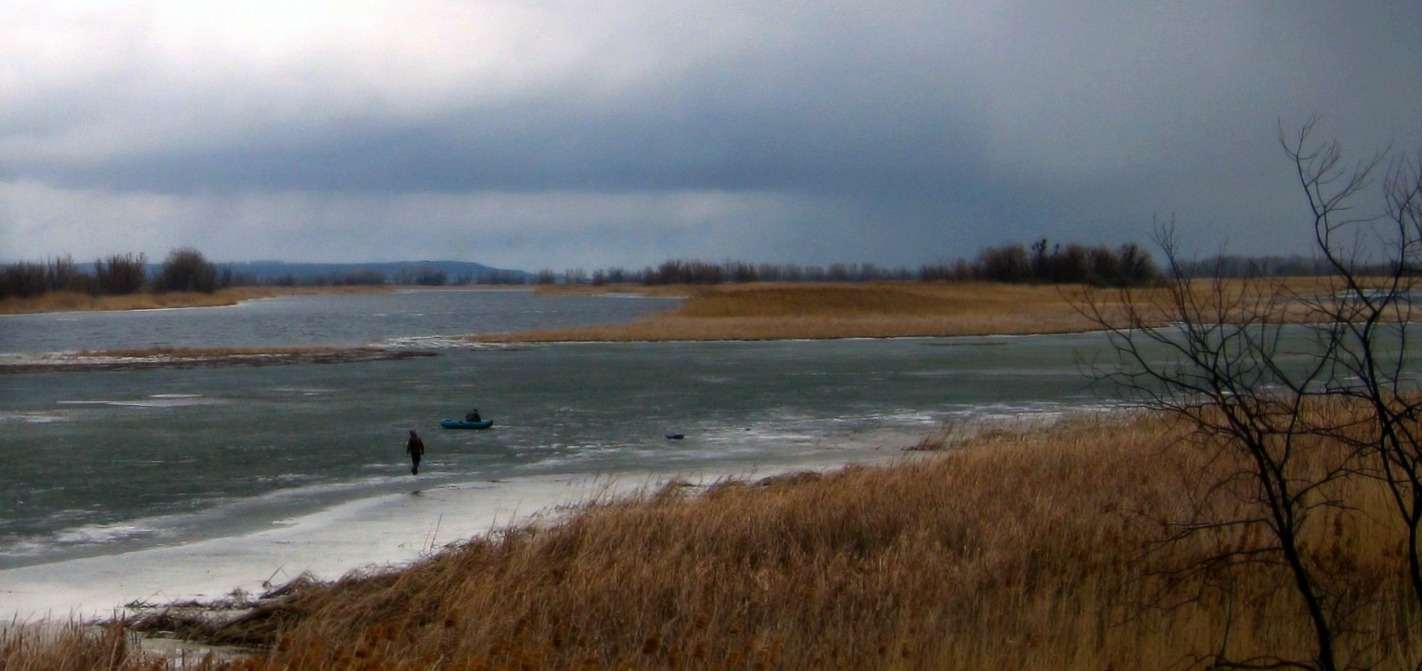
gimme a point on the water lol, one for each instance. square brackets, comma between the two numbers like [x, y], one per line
[335, 320]
[103, 462]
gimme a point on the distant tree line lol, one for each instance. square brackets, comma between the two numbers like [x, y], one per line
[1041, 262]
[420, 274]
[1047, 263]
[682, 271]
[1271, 266]
[188, 270]
[352, 278]
[1127, 265]
[184, 270]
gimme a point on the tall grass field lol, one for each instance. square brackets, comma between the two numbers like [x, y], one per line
[763, 311]
[73, 301]
[991, 547]
[770, 310]
[994, 548]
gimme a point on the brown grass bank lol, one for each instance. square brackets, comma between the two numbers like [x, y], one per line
[69, 301]
[762, 311]
[814, 310]
[1020, 549]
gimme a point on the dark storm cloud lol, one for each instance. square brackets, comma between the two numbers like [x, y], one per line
[891, 132]
[711, 151]
[817, 111]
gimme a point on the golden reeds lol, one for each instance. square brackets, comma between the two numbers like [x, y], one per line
[769, 311]
[762, 311]
[70, 301]
[1013, 548]
[73, 645]
[1024, 548]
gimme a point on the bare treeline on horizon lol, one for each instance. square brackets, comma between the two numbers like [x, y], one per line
[189, 270]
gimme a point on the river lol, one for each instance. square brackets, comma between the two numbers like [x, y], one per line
[104, 463]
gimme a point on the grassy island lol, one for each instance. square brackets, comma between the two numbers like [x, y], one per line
[767, 311]
[73, 301]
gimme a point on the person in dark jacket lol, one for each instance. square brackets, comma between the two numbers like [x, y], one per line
[472, 415]
[416, 449]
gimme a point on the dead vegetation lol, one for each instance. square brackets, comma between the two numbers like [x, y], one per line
[1015, 548]
[770, 311]
[73, 301]
[763, 311]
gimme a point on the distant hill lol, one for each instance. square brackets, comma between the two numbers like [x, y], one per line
[394, 272]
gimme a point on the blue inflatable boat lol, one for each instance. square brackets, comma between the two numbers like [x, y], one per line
[461, 424]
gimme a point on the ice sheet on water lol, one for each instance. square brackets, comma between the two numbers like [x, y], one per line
[79, 538]
[31, 417]
[434, 342]
[291, 498]
[99, 534]
[151, 401]
[304, 391]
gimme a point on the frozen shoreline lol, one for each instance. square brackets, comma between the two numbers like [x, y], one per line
[368, 533]
[390, 530]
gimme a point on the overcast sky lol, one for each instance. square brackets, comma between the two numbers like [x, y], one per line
[562, 134]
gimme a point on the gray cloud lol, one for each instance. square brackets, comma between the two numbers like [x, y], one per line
[623, 133]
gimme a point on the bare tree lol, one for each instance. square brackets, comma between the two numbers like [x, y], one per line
[1292, 391]
[121, 274]
[1376, 257]
[187, 269]
[1215, 354]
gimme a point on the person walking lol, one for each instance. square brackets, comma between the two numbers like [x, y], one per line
[416, 449]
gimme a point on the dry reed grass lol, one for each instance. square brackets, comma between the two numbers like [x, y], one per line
[1027, 549]
[70, 301]
[764, 311]
[769, 311]
[71, 646]
[1016, 548]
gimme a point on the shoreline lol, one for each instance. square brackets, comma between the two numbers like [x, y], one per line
[752, 313]
[212, 569]
[69, 301]
[157, 358]
[217, 357]
[362, 534]
[371, 534]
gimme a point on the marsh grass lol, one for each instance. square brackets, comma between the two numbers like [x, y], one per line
[71, 301]
[69, 646]
[762, 311]
[769, 311]
[1022, 547]
[1015, 547]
